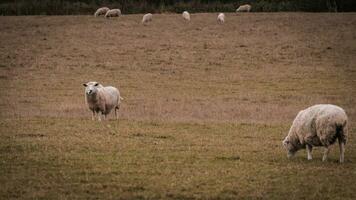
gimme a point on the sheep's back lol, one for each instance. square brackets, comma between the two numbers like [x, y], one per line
[111, 90]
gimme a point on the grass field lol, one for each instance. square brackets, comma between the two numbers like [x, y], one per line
[206, 106]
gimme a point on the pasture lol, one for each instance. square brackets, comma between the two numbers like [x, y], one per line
[205, 111]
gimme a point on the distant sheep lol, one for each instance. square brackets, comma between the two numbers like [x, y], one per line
[113, 13]
[101, 11]
[318, 125]
[221, 18]
[186, 15]
[244, 8]
[101, 100]
[146, 18]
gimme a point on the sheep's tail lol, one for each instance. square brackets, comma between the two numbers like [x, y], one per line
[121, 98]
[341, 132]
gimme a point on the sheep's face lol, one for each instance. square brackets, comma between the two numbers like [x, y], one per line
[291, 149]
[91, 88]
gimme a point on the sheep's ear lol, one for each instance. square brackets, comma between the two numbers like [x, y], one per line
[96, 84]
[85, 85]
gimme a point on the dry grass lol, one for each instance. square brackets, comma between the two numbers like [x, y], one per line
[206, 105]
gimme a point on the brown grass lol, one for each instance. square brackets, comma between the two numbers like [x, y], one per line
[206, 105]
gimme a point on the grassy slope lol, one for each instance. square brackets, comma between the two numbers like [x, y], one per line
[206, 106]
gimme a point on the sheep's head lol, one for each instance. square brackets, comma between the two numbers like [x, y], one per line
[290, 147]
[91, 88]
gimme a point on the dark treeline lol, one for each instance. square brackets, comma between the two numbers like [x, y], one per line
[66, 7]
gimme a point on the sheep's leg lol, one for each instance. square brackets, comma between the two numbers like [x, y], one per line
[116, 116]
[326, 152]
[93, 115]
[117, 108]
[309, 151]
[99, 116]
[342, 150]
[103, 113]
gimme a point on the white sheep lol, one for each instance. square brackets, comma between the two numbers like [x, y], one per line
[101, 11]
[186, 15]
[113, 13]
[221, 18]
[244, 8]
[146, 18]
[102, 100]
[318, 125]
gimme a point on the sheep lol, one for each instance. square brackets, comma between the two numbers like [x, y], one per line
[221, 18]
[113, 13]
[101, 11]
[186, 15]
[146, 18]
[102, 99]
[244, 8]
[318, 125]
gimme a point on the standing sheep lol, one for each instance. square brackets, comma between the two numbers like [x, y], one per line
[113, 13]
[146, 18]
[318, 125]
[221, 18]
[186, 15]
[102, 99]
[101, 11]
[244, 8]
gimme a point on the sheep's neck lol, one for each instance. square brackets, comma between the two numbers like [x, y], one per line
[93, 98]
[295, 140]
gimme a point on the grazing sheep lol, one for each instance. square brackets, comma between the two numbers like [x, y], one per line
[318, 125]
[221, 18]
[244, 8]
[186, 15]
[101, 11]
[113, 13]
[102, 99]
[146, 18]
